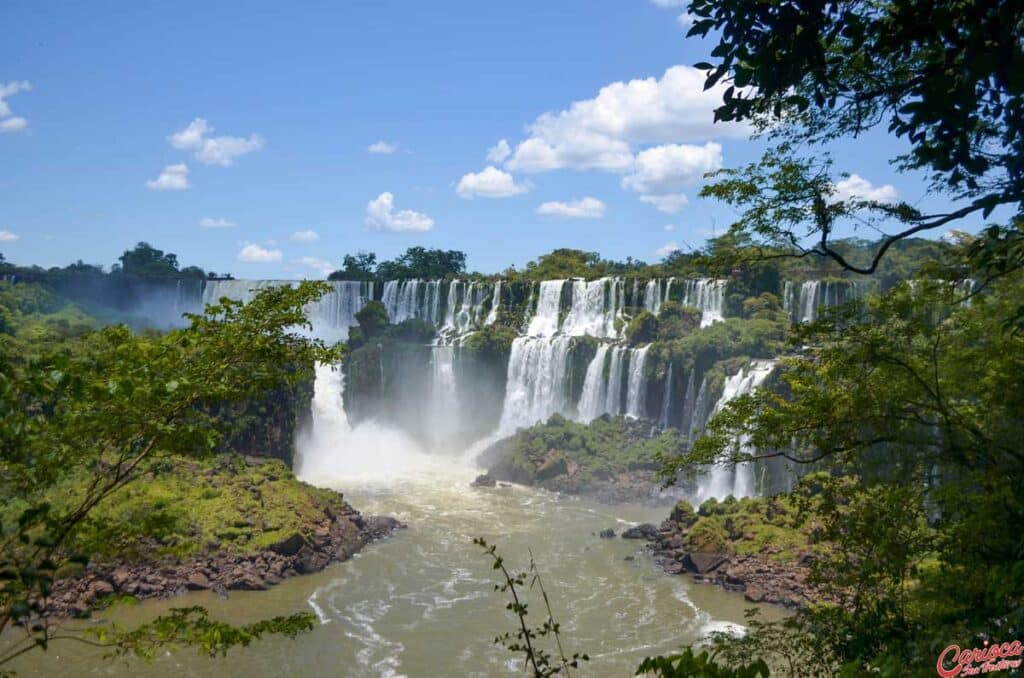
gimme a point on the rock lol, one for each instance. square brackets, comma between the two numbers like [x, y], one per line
[629, 559]
[289, 546]
[755, 594]
[197, 581]
[607, 533]
[484, 480]
[99, 588]
[382, 526]
[643, 531]
[702, 563]
[120, 576]
[245, 580]
[504, 485]
[673, 567]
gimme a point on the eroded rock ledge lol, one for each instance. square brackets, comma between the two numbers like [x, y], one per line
[336, 537]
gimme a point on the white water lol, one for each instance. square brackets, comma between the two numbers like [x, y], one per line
[544, 322]
[708, 295]
[592, 399]
[724, 479]
[536, 382]
[635, 386]
[803, 303]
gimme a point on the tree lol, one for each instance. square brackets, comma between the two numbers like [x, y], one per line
[563, 263]
[943, 75]
[145, 260]
[78, 423]
[358, 267]
[419, 262]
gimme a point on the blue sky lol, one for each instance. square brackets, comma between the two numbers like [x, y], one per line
[272, 109]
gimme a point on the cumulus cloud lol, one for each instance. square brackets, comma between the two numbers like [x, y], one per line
[686, 20]
[667, 249]
[489, 183]
[211, 150]
[669, 227]
[499, 152]
[259, 255]
[855, 187]
[382, 146]
[599, 133]
[381, 216]
[671, 203]
[584, 208]
[172, 178]
[321, 266]
[7, 236]
[664, 169]
[669, 3]
[15, 124]
[8, 121]
[308, 235]
[210, 222]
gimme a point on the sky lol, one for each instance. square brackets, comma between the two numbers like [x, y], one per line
[269, 139]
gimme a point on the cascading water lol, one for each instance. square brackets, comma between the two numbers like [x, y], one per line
[595, 308]
[666, 399]
[536, 382]
[708, 295]
[544, 322]
[592, 399]
[635, 391]
[724, 479]
[613, 392]
[492, 314]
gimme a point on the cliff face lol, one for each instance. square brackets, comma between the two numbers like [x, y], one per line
[266, 427]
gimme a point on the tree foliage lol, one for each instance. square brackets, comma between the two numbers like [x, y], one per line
[79, 422]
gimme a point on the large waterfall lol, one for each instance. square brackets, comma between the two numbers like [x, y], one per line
[536, 381]
[724, 479]
[803, 302]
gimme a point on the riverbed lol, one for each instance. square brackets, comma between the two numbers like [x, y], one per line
[422, 603]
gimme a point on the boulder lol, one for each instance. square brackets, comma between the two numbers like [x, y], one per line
[484, 480]
[702, 563]
[197, 581]
[288, 546]
[643, 531]
[606, 533]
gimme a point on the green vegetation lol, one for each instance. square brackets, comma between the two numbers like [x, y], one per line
[93, 427]
[181, 507]
[600, 450]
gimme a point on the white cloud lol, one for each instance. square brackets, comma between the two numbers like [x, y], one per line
[686, 20]
[211, 150]
[11, 124]
[210, 222]
[15, 124]
[664, 169]
[385, 147]
[381, 216]
[491, 182]
[669, 3]
[321, 266]
[256, 254]
[499, 152]
[7, 236]
[667, 249]
[584, 208]
[599, 133]
[669, 228]
[308, 235]
[855, 187]
[671, 203]
[172, 178]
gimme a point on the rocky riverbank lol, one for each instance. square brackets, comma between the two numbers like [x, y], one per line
[225, 544]
[748, 546]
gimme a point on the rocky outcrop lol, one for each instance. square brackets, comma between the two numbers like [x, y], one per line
[334, 538]
[763, 577]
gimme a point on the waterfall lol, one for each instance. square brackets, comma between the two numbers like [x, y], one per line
[692, 401]
[444, 404]
[401, 298]
[544, 322]
[595, 307]
[635, 387]
[727, 478]
[592, 399]
[652, 296]
[666, 399]
[708, 295]
[492, 314]
[535, 390]
[803, 304]
[613, 393]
